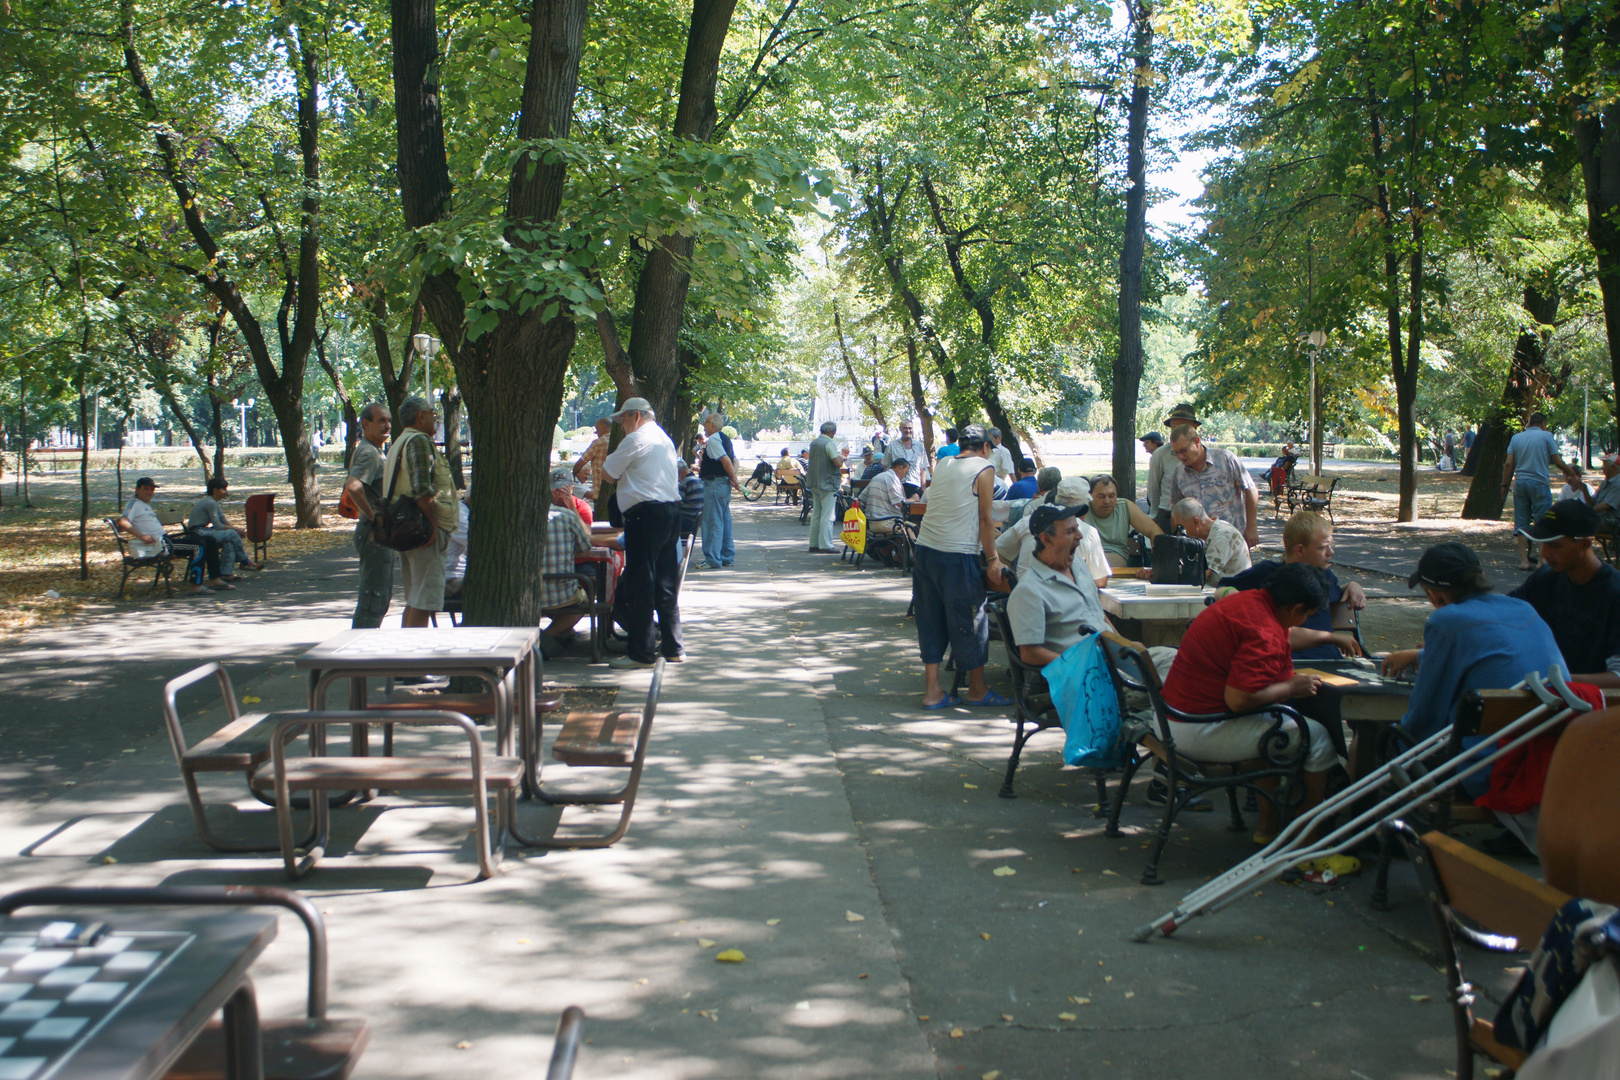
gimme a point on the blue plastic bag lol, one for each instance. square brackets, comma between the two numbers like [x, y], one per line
[1084, 696]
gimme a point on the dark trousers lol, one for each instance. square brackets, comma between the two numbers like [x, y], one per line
[652, 573]
[210, 551]
[1162, 520]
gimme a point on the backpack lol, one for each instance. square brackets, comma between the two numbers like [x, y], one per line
[1178, 560]
[399, 523]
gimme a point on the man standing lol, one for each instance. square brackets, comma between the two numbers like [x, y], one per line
[1576, 593]
[1308, 538]
[1525, 473]
[1000, 456]
[824, 477]
[947, 578]
[1225, 553]
[417, 469]
[146, 532]
[1217, 479]
[364, 488]
[907, 447]
[643, 467]
[718, 470]
[588, 469]
[1163, 464]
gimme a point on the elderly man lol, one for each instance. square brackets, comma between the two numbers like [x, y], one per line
[364, 488]
[588, 469]
[910, 449]
[1052, 607]
[1225, 553]
[1115, 521]
[1162, 465]
[1217, 479]
[884, 501]
[146, 532]
[1606, 499]
[1308, 539]
[1016, 544]
[421, 472]
[947, 579]
[717, 468]
[870, 465]
[1576, 592]
[822, 481]
[1000, 456]
[644, 469]
[1234, 658]
[566, 537]
[562, 494]
[1153, 442]
[1525, 473]
[1046, 482]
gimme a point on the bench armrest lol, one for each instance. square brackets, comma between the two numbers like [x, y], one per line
[171, 713]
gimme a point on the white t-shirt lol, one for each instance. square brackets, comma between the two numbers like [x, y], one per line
[1015, 542]
[645, 465]
[952, 520]
[1001, 458]
[143, 519]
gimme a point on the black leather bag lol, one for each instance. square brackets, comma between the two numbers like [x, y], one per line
[1178, 560]
[400, 524]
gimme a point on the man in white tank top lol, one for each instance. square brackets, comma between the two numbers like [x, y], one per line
[947, 576]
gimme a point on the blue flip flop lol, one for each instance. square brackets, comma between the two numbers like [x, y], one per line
[946, 702]
[990, 698]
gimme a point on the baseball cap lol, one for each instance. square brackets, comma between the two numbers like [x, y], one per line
[1073, 491]
[1570, 518]
[562, 476]
[1182, 414]
[971, 436]
[146, 481]
[1609, 457]
[635, 404]
[1445, 565]
[1046, 513]
[1153, 436]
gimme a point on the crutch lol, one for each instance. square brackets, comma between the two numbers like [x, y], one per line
[1290, 847]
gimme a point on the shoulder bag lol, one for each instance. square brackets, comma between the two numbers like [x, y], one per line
[399, 523]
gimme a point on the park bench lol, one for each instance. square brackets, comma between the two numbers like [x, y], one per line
[161, 564]
[1307, 491]
[315, 1047]
[1461, 883]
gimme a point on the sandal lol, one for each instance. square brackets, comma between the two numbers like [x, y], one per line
[946, 702]
[991, 698]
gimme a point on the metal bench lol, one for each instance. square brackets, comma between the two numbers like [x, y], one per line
[1307, 491]
[162, 564]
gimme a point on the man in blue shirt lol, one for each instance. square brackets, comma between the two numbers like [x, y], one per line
[1025, 487]
[1525, 474]
[1474, 640]
[1577, 593]
[1308, 538]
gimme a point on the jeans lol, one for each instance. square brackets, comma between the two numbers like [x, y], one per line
[231, 549]
[718, 547]
[948, 588]
[650, 580]
[822, 530]
[376, 579]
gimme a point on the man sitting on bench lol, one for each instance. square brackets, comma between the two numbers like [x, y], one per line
[146, 532]
[1576, 592]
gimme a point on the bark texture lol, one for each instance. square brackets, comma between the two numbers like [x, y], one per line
[1128, 361]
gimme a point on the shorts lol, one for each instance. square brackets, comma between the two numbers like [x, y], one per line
[423, 571]
[1239, 740]
[1531, 499]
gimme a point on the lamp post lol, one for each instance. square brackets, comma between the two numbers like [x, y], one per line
[242, 407]
[427, 347]
[1315, 339]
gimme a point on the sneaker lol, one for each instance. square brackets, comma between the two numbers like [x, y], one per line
[678, 658]
[1197, 804]
[629, 663]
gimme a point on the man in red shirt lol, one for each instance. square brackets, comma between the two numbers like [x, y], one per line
[1235, 658]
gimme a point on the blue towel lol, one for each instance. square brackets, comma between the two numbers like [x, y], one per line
[1086, 702]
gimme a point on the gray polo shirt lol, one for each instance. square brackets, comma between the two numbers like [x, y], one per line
[1053, 609]
[366, 466]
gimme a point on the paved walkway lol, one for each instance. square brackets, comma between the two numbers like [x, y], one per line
[798, 805]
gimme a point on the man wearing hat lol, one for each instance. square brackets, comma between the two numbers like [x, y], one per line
[717, 468]
[146, 532]
[1052, 607]
[1473, 640]
[1162, 466]
[643, 467]
[1016, 545]
[1606, 500]
[1576, 592]
[562, 493]
[1216, 478]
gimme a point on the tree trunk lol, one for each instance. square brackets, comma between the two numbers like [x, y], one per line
[22, 454]
[396, 386]
[1128, 362]
[873, 403]
[451, 403]
[84, 474]
[660, 304]
[1527, 384]
[1596, 126]
[919, 400]
[513, 375]
[217, 427]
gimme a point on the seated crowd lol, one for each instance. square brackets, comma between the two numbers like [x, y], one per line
[221, 549]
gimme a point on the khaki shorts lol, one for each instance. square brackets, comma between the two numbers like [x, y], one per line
[423, 571]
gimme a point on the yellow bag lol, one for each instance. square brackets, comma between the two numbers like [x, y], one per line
[855, 528]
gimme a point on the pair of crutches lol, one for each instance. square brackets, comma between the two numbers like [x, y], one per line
[1557, 704]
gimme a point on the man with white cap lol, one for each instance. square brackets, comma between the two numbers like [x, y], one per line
[649, 498]
[1606, 499]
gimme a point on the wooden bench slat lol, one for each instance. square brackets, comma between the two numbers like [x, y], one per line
[598, 739]
[472, 705]
[237, 745]
[1492, 893]
[425, 772]
[1483, 1033]
[293, 1050]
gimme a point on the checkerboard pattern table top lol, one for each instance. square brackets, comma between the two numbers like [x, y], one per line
[473, 645]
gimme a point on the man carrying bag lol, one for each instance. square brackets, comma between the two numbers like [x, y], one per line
[417, 471]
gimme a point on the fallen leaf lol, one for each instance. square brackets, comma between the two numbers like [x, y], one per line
[975, 787]
[852, 916]
[108, 860]
[922, 1017]
[523, 941]
[993, 1074]
[863, 975]
[1007, 1017]
[463, 1045]
[1108, 978]
[1316, 1004]
[803, 1006]
[1130, 993]
[249, 699]
[1081, 1001]
[1110, 873]
[705, 943]
[731, 956]
[641, 982]
[1004, 871]
[1420, 997]
[878, 772]
[956, 1033]
[985, 936]
[772, 922]
[1067, 1016]
[1079, 931]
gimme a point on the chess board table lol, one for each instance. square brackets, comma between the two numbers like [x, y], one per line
[1149, 617]
[127, 1006]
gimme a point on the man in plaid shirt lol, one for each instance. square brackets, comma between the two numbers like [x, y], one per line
[588, 469]
[566, 537]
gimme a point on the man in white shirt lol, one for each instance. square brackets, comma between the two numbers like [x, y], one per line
[1225, 552]
[1000, 456]
[644, 468]
[908, 448]
[146, 531]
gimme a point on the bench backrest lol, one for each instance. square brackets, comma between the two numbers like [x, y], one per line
[1485, 712]
[1491, 893]
[1313, 480]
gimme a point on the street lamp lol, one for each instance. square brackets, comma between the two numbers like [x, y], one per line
[1315, 339]
[427, 347]
[242, 407]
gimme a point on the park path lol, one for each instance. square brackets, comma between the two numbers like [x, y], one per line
[798, 806]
